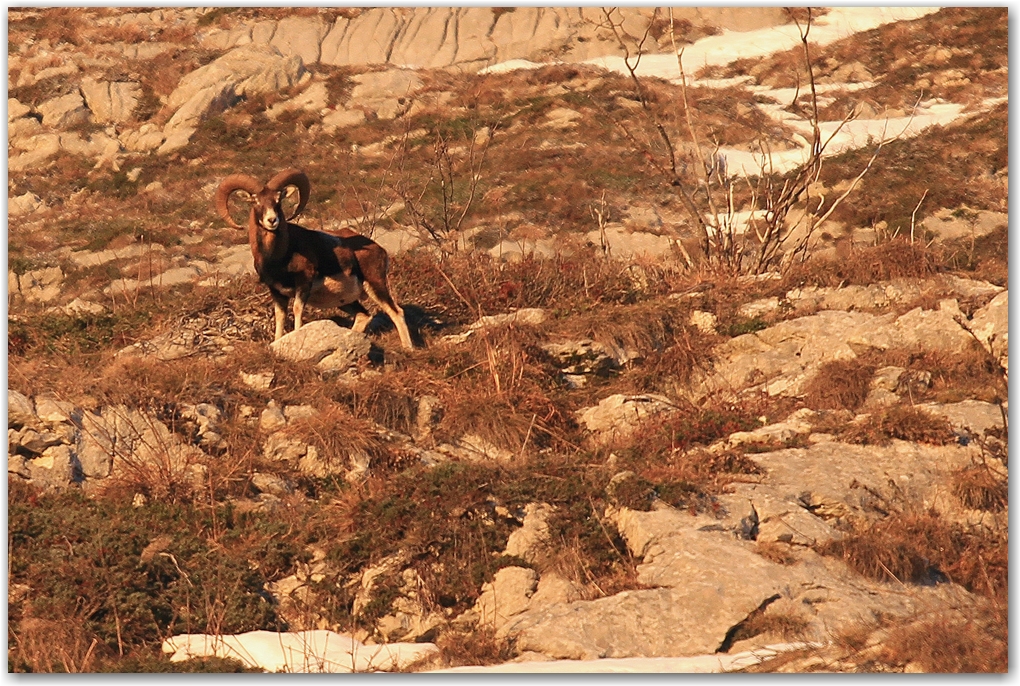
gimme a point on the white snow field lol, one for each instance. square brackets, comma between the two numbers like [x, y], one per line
[330, 652]
[727, 46]
[298, 651]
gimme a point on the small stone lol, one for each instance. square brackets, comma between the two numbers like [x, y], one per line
[260, 381]
[272, 418]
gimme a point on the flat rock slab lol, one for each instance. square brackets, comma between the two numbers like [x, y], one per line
[783, 358]
[835, 480]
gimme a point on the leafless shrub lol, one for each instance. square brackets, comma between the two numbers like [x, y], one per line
[782, 216]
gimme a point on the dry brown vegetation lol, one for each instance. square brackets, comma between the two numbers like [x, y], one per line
[901, 422]
[839, 384]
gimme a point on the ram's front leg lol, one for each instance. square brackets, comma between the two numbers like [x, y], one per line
[300, 298]
[279, 313]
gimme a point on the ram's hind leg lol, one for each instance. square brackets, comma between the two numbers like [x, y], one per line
[360, 314]
[380, 293]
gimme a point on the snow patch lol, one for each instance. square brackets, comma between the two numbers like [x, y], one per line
[303, 652]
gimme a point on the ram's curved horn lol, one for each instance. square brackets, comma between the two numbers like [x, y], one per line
[296, 178]
[231, 184]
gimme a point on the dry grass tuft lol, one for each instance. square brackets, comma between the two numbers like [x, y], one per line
[954, 376]
[951, 644]
[785, 626]
[923, 548]
[773, 551]
[980, 487]
[900, 422]
[340, 438]
[892, 259]
[839, 384]
[478, 647]
[47, 645]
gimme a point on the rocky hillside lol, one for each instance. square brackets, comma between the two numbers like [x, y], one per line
[680, 387]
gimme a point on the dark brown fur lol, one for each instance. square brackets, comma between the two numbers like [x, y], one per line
[324, 269]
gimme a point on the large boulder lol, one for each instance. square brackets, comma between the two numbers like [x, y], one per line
[20, 411]
[700, 584]
[64, 112]
[324, 343]
[24, 204]
[300, 36]
[41, 285]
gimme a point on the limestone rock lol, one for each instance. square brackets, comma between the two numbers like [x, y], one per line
[949, 224]
[64, 112]
[54, 411]
[796, 424]
[619, 415]
[272, 418]
[282, 448]
[244, 71]
[971, 416]
[298, 412]
[528, 316]
[705, 322]
[24, 204]
[783, 358]
[533, 540]
[143, 139]
[55, 468]
[20, 411]
[508, 594]
[427, 417]
[111, 101]
[588, 357]
[205, 420]
[41, 285]
[16, 109]
[322, 342]
[837, 480]
[706, 582]
[312, 99]
[269, 483]
[300, 36]
[260, 381]
[990, 326]
[28, 440]
[96, 446]
[124, 440]
[388, 93]
[625, 244]
[342, 119]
